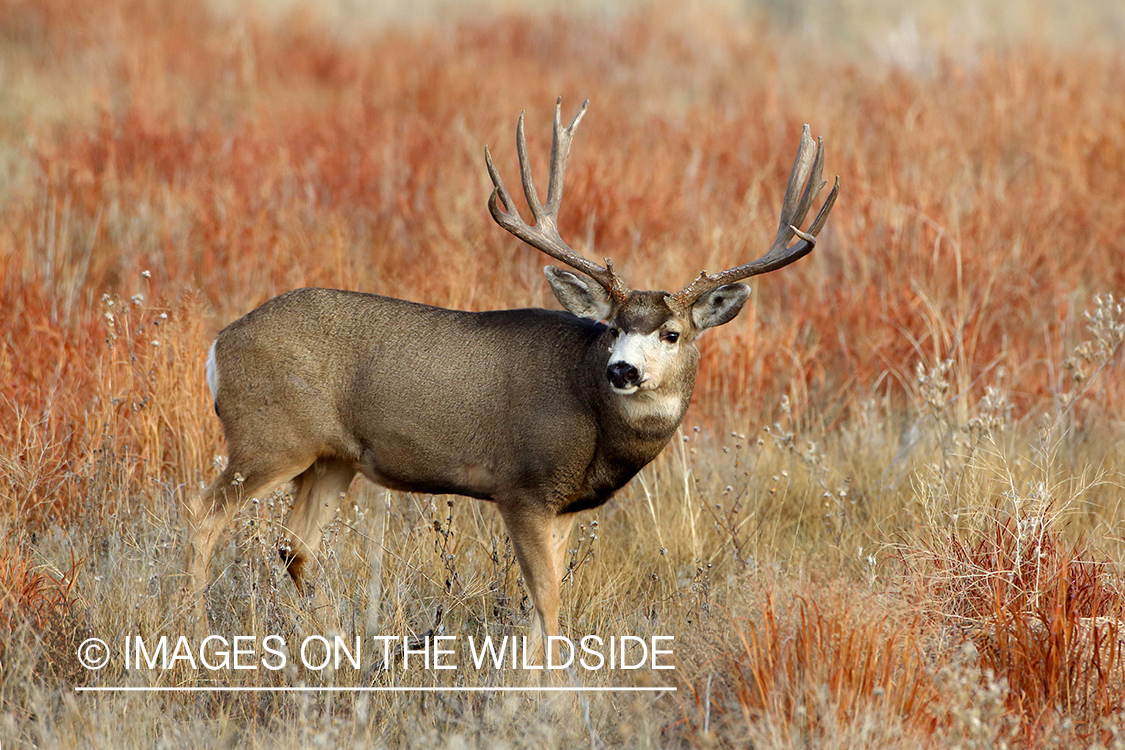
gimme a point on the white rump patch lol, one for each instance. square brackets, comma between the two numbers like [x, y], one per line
[213, 373]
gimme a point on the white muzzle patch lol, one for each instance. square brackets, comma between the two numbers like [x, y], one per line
[650, 356]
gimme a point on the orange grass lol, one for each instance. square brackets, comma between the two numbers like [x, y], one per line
[796, 659]
[41, 602]
[979, 211]
[1045, 615]
[28, 592]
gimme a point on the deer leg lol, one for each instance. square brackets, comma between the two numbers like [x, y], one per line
[539, 539]
[209, 513]
[561, 526]
[319, 489]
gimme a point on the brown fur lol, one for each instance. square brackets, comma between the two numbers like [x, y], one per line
[510, 406]
[520, 407]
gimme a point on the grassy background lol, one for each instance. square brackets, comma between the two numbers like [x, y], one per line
[893, 515]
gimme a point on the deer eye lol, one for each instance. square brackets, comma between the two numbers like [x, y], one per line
[670, 336]
[614, 332]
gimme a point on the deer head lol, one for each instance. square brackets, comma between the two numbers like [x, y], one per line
[651, 333]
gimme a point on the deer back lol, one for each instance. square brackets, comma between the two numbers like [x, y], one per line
[433, 400]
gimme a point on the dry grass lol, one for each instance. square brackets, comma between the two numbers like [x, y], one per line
[892, 518]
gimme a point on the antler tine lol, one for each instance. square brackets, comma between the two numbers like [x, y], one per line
[802, 189]
[544, 235]
[806, 171]
[530, 194]
[560, 154]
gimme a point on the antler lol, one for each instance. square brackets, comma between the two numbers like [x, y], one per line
[806, 171]
[544, 235]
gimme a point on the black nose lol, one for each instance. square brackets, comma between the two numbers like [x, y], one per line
[622, 375]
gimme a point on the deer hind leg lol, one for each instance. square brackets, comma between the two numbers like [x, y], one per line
[209, 513]
[319, 489]
[539, 539]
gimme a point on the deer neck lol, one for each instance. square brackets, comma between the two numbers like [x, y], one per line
[653, 414]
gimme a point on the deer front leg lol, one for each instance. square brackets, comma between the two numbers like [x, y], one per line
[539, 539]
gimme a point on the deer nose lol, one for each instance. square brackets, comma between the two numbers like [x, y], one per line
[623, 375]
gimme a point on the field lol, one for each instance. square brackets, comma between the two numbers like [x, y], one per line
[892, 517]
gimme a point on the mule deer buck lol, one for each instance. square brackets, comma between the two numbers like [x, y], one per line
[546, 413]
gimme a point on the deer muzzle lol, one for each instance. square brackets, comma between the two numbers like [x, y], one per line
[623, 376]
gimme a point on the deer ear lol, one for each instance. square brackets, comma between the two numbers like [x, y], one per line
[719, 306]
[580, 294]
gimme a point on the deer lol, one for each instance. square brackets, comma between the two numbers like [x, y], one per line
[546, 413]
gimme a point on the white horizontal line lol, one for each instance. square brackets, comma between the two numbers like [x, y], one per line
[289, 689]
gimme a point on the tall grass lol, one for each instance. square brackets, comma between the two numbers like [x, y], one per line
[891, 518]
